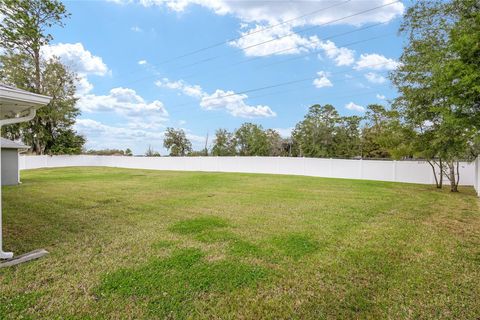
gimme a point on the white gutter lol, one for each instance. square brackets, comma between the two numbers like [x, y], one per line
[31, 114]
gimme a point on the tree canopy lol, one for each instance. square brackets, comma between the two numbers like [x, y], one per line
[438, 81]
[176, 141]
[23, 31]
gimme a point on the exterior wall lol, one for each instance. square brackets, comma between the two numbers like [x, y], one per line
[381, 170]
[10, 172]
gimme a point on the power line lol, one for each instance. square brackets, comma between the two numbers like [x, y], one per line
[292, 33]
[281, 84]
[250, 33]
[275, 39]
[320, 25]
[294, 58]
[312, 99]
[315, 52]
[291, 48]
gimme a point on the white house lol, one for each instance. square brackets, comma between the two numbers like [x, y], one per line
[10, 168]
[16, 106]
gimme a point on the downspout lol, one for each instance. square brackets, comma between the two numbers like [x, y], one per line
[31, 114]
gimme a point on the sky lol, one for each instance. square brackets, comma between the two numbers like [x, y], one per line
[200, 65]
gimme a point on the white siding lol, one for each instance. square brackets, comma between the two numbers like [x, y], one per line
[10, 172]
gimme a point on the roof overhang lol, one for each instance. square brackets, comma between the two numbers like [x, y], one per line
[15, 102]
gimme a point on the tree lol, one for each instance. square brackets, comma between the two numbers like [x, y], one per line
[275, 143]
[67, 142]
[52, 120]
[128, 152]
[22, 34]
[151, 153]
[176, 141]
[347, 137]
[224, 143]
[23, 29]
[438, 82]
[314, 135]
[107, 152]
[463, 73]
[384, 135]
[251, 140]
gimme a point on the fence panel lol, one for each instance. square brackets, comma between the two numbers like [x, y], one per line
[398, 171]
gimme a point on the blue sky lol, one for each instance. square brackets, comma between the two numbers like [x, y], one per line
[133, 82]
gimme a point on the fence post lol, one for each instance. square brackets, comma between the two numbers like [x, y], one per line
[394, 171]
[476, 183]
[361, 168]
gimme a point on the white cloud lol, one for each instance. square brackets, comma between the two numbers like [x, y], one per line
[322, 80]
[80, 60]
[83, 85]
[375, 61]
[136, 29]
[142, 62]
[341, 56]
[220, 100]
[275, 11]
[354, 107]
[264, 21]
[380, 96]
[235, 105]
[274, 41]
[375, 78]
[77, 57]
[125, 102]
[135, 137]
[103, 136]
[190, 90]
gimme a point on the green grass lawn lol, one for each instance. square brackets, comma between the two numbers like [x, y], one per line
[151, 244]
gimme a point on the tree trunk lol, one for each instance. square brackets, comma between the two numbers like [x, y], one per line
[36, 146]
[453, 177]
[36, 58]
[438, 180]
[441, 172]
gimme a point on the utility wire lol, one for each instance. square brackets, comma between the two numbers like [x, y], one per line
[316, 52]
[281, 84]
[312, 99]
[250, 33]
[290, 34]
[319, 25]
[286, 60]
[290, 48]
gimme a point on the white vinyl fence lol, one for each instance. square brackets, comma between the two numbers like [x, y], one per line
[382, 170]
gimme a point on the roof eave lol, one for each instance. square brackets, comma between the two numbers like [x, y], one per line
[20, 97]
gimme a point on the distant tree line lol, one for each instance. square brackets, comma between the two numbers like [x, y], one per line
[110, 152]
[323, 133]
